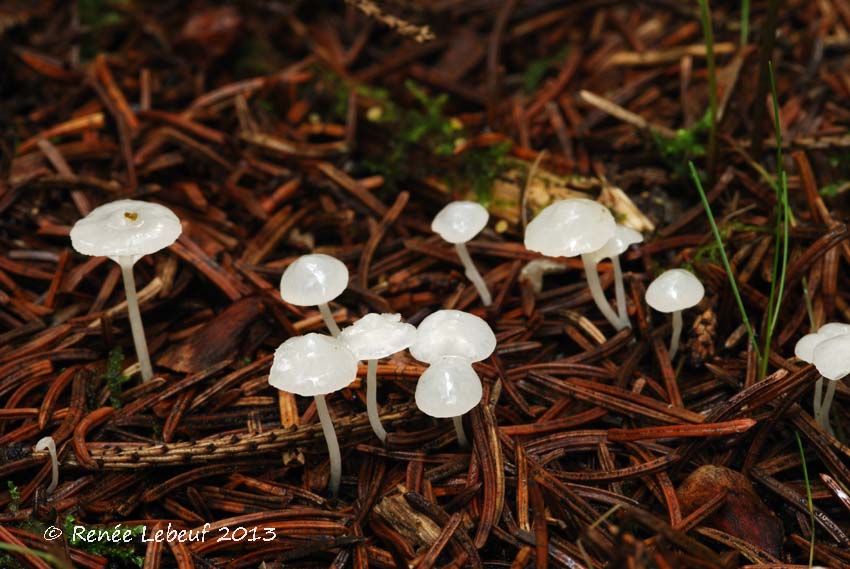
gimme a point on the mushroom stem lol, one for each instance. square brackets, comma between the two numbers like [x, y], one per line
[138, 330]
[372, 400]
[598, 294]
[328, 317]
[823, 417]
[49, 445]
[622, 308]
[676, 334]
[473, 275]
[461, 435]
[816, 404]
[333, 444]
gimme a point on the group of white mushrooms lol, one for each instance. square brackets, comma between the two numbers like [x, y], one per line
[449, 341]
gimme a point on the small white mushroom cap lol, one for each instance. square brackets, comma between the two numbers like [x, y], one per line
[313, 279]
[377, 336]
[832, 357]
[448, 388]
[805, 347]
[833, 329]
[622, 239]
[125, 228]
[568, 228]
[673, 290]
[313, 364]
[453, 333]
[460, 221]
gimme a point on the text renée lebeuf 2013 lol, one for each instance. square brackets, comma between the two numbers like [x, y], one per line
[172, 534]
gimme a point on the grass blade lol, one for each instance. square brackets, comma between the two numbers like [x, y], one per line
[705, 16]
[808, 497]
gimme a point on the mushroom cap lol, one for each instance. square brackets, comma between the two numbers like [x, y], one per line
[676, 289]
[832, 357]
[460, 221]
[313, 279]
[448, 388]
[313, 364]
[453, 333]
[832, 329]
[568, 228]
[377, 336]
[623, 237]
[805, 347]
[125, 228]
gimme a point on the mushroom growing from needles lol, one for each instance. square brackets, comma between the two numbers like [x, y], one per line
[125, 231]
[315, 365]
[674, 291]
[613, 248]
[575, 227]
[48, 444]
[371, 338]
[315, 280]
[832, 359]
[451, 340]
[804, 350]
[458, 223]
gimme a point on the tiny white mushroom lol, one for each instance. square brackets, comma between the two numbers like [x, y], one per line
[449, 388]
[316, 280]
[371, 338]
[125, 231]
[804, 350]
[674, 291]
[573, 227]
[623, 238]
[458, 223]
[48, 444]
[315, 365]
[832, 359]
[451, 340]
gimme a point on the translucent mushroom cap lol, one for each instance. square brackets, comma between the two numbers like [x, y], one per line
[448, 388]
[453, 333]
[832, 329]
[125, 228]
[832, 357]
[460, 221]
[313, 279]
[313, 364]
[623, 238]
[568, 228]
[676, 289]
[804, 349]
[377, 336]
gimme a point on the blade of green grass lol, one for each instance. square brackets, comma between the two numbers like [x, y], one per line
[705, 16]
[745, 21]
[808, 497]
[725, 259]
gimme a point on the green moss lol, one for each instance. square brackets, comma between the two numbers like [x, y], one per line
[115, 380]
[537, 69]
[685, 145]
[120, 554]
[14, 496]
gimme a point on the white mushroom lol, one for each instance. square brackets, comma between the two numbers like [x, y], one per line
[449, 388]
[804, 350]
[674, 291]
[450, 340]
[453, 333]
[125, 231]
[832, 359]
[371, 338]
[616, 246]
[315, 365]
[458, 223]
[48, 444]
[315, 280]
[573, 227]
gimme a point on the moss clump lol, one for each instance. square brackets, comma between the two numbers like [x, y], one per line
[115, 380]
[119, 554]
[685, 145]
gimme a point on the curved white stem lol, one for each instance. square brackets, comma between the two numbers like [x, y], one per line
[49, 445]
[473, 275]
[598, 295]
[333, 444]
[677, 332]
[818, 399]
[461, 435]
[823, 419]
[372, 400]
[136, 327]
[328, 317]
[622, 308]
